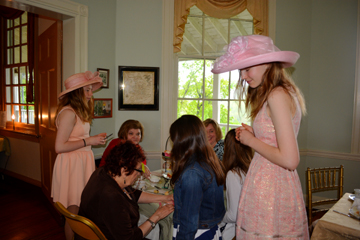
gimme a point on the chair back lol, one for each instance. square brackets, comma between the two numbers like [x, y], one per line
[81, 225]
[321, 180]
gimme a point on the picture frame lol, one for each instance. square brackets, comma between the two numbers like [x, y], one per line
[102, 108]
[138, 88]
[105, 75]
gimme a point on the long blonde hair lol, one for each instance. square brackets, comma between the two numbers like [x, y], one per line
[274, 76]
[76, 99]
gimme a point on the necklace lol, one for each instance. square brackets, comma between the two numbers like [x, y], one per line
[127, 194]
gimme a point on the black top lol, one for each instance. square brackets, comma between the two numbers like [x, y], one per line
[104, 203]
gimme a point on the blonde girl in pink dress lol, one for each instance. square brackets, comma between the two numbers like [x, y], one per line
[271, 204]
[74, 163]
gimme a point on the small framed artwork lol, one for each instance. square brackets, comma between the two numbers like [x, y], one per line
[138, 88]
[102, 107]
[104, 74]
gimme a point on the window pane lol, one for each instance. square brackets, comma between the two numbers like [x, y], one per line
[16, 94]
[23, 75]
[217, 110]
[238, 115]
[17, 22]
[24, 34]
[15, 75]
[9, 23]
[10, 38]
[193, 107]
[190, 79]
[242, 24]
[17, 36]
[17, 55]
[8, 94]
[192, 41]
[7, 73]
[234, 75]
[22, 94]
[31, 116]
[217, 36]
[16, 112]
[24, 18]
[10, 58]
[23, 114]
[24, 56]
[212, 87]
[8, 112]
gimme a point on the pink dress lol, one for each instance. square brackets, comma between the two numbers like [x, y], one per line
[271, 204]
[73, 169]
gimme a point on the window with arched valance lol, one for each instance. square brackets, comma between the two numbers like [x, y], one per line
[219, 9]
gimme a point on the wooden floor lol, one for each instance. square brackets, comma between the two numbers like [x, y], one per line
[24, 212]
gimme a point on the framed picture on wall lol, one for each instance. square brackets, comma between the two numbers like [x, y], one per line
[138, 88]
[104, 74]
[102, 108]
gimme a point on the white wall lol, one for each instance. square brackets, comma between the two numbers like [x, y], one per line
[324, 33]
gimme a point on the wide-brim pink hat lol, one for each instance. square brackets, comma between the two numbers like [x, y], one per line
[252, 50]
[80, 80]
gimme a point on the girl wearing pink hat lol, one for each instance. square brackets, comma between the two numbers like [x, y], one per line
[74, 163]
[271, 204]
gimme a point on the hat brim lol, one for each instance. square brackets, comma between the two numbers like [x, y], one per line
[287, 58]
[96, 84]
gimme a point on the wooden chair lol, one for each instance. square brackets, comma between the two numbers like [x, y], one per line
[80, 225]
[321, 180]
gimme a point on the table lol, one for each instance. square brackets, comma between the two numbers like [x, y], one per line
[148, 209]
[336, 226]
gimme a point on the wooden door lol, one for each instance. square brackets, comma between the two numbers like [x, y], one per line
[49, 80]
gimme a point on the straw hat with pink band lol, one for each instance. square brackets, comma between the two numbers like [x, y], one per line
[252, 50]
[80, 80]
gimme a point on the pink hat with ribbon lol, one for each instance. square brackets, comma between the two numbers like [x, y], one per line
[80, 80]
[252, 50]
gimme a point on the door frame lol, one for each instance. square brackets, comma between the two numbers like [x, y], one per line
[75, 29]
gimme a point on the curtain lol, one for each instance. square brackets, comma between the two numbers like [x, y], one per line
[219, 9]
[31, 57]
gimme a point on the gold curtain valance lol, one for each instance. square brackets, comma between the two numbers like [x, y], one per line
[219, 9]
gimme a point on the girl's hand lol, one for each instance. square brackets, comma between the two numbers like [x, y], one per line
[96, 140]
[242, 128]
[245, 136]
[247, 127]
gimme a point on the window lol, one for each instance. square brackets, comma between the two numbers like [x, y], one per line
[201, 92]
[17, 72]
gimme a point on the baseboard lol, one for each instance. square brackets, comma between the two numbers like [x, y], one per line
[21, 177]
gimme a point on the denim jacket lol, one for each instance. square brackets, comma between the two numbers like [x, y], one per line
[199, 201]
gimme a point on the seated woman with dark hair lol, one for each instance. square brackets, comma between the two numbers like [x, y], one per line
[112, 204]
[214, 135]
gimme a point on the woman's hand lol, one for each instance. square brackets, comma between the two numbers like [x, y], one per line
[96, 140]
[168, 199]
[163, 211]
[147, 172]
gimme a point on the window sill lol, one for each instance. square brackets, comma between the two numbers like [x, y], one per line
[19, 133]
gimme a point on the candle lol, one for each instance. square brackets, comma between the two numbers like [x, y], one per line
[13, 118]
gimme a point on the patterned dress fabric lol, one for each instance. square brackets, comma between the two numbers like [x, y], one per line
[72, 170]
[219, 149]
[272, 204]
